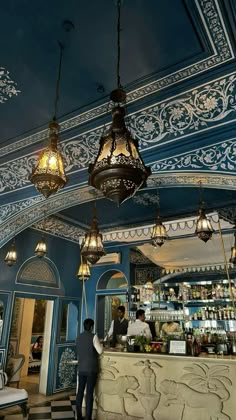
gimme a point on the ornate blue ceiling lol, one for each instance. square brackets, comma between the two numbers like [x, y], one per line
[178, 67]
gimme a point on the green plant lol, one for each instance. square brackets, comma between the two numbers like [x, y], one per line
[141, 340]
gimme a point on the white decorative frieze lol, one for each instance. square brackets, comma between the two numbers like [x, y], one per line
[199, 109]
[59, 228]
[220, 157]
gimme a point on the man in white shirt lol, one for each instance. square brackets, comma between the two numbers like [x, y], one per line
[139, 327]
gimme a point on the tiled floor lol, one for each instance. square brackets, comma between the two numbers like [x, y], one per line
[57, 406]
[60, 409]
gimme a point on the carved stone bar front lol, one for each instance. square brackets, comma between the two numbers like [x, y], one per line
[147, 386]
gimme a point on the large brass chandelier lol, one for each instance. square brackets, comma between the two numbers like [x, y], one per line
[48, 176]
[118, 171]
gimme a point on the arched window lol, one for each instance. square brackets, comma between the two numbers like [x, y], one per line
[112, 279]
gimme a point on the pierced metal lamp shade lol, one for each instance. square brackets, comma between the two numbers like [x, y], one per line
[159, 234]
[118, 171]
[84, 270]
[203, 229]
[233, 252]
[11, 257]
[41, 248]
[49, 176]
[92, 248]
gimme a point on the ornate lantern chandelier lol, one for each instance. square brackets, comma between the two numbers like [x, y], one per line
[84, 270]
[118, 171]
[204, 229]
[11, 257]
[48, 176]
[159, 234]
[232, 259]
[93, 249]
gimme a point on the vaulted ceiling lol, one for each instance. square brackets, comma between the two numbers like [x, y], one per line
[178, 68]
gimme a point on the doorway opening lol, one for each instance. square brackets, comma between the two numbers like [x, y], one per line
[29, 343]
[111, 293]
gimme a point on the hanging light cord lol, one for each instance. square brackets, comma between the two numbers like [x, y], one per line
[58, 82]
[200, 193]
[84, 298]
[118, 44]
[226, 265]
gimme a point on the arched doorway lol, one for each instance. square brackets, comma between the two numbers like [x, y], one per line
[111, 293]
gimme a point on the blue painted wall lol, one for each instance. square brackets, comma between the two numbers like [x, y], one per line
[65, 256]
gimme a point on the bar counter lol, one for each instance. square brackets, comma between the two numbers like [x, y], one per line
[166, 387]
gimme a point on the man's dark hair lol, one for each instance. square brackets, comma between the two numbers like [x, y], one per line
[121, 308]
[139, 313]
[88, 324]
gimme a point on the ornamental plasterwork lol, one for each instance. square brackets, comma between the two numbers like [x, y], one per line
[208, 180]
[59, 228]
[7, 86]
[25, 217]
[228, 214]
[146, 199]
[193, 111]
[18, 216]
[185, 114]
[220, 157]
[66, 371]
[138, 258]
[7, 210]
[210, 15]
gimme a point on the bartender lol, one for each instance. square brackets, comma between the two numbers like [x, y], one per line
[140, 327]
[119, 326]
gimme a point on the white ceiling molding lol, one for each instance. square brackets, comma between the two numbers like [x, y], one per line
[175, 229]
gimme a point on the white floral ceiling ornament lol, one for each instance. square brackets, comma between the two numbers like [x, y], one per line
[7, 86]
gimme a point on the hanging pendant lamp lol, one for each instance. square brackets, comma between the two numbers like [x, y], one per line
[204, 229]
[118, 171]
[48, 176]
[84, 270]
[11, 257]
[232, 259]
[159, 234]
[41, 248]
[93, 249]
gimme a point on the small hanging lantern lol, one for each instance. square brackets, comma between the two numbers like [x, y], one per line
[232, 259]
[159, 234]
[49, 175]
[204, 229]
[41, 248]
[84, 270]
[93, 248]
[11, 257]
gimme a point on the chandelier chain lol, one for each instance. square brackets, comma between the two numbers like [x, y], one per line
[58, 82]
[118, 44]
